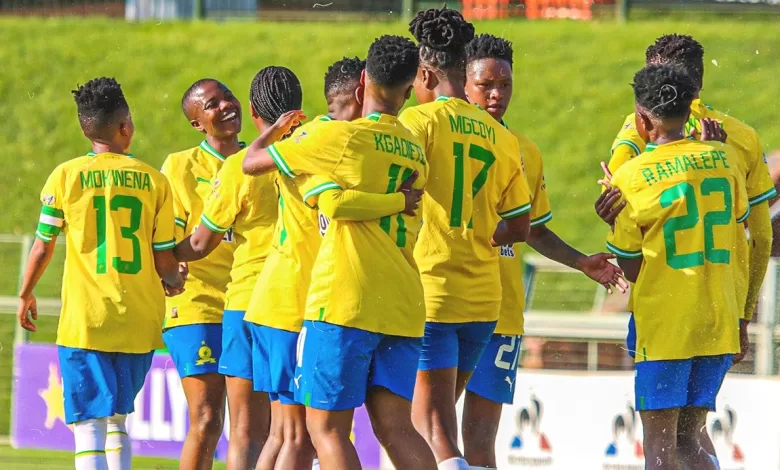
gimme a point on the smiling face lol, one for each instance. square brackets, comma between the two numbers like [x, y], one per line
[489, 85]
[213, 110]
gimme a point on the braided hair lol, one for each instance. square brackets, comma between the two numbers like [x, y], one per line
[101, 104]
[392, 60]
[487, 46]
[443, 36]
[665, 91]
[680, 50]
[343, 74]
[275, 91]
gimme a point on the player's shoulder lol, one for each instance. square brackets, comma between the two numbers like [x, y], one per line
[730, 123]
[526, 144]
[181, 161]
[73, 164]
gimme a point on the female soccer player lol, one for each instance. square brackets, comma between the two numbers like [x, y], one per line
[687, 338]
[249, 206]
[113, 305]
[476, 183]
[489, 85]
[193, 324]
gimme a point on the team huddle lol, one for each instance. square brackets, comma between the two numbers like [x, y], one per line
[367, 257]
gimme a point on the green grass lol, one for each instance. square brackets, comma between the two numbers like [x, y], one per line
[571, 92]
[13, 459]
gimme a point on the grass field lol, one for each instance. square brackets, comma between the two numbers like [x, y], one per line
[11, 459]
[571, 90]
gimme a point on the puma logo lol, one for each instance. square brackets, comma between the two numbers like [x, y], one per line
[296, 379]
[509, 381]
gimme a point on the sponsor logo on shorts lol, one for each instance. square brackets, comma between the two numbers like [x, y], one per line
[530, 446]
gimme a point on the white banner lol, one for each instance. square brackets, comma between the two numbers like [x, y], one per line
[567, 420]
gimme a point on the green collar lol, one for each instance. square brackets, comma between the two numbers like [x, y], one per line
[206, 147]
[374, 116]
[93, 154]
[442, 98]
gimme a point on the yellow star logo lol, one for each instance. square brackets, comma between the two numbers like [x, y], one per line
[54, 398]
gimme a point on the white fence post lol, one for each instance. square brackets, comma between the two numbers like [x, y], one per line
[765, 339]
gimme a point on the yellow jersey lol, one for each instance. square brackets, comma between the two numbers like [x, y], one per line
[248, 205]
[475, 180]
[114, 211]
[742, 137]
[686, 201]
[191, 174]
[510, 264]
[364, 276]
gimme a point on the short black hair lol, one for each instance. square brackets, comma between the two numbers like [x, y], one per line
[275, 90]
[487, 46]
[101, 104]
[185, 99]
[392, 60]
[443, 36]
[342, 75]
[666, 91]
[680, 50]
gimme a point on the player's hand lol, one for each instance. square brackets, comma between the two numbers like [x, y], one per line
[285, 124]
[605, 204]
[184, 271]
[598, 268]
[172, 291]
[28, 307]
[711, 130]
[744, 341]
[412, 196]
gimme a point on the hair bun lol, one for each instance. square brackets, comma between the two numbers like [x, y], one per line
[442, 29]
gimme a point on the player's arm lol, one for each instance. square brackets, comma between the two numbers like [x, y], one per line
[514, 208]
[259, 159]
[625, 241]
[50, 223]
[220, 210]
[164, 240]
[339, 204]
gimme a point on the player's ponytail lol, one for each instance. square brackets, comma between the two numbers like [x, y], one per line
[275, 91]
[443, 36]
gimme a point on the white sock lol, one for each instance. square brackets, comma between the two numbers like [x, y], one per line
[90, 436]
[315, 465]
[119, 449]
[482, 468]
[455, 463]
[715, 461]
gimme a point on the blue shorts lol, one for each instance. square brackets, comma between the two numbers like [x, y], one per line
[631, 336]
[496, 373]
[195, 349]
[337, 365]
[273, 362]
[460, 345]
[236, 357]
[661, 385]
[100, 384]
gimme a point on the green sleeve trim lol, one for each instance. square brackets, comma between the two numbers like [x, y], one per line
[180, 222]
[317, 190]
[516, 212]
[162, 246]
[633, 146]
[624, 253]
[763, 197]
[43, 237]
[212, 226]
[52, 212]
[280, 163]
[745, 216]
[48, 230]
[541, 220]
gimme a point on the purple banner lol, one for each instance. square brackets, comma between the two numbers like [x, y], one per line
[158, 426]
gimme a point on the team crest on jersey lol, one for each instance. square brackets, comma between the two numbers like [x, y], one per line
[300, 136]
[48, 199]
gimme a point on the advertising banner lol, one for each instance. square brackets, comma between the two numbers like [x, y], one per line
[157, 428]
